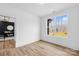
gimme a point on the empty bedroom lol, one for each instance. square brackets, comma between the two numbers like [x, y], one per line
[39, 29]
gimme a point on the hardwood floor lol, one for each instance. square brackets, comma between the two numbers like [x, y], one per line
[39, 48]
[7, 44]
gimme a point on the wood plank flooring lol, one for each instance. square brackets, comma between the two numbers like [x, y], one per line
[7, 44]
[39, 48]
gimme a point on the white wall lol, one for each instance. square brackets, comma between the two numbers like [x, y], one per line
[27, 25]
[73, 29]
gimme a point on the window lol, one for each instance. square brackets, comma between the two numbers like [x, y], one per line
[57, 26]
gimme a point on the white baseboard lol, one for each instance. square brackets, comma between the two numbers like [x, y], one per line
[22, 44]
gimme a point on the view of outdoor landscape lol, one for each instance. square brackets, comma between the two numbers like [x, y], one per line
[58, 26]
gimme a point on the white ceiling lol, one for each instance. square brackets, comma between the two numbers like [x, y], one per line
[41, 9]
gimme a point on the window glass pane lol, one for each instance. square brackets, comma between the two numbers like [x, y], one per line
[58, 26]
